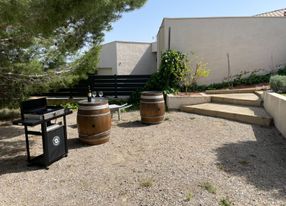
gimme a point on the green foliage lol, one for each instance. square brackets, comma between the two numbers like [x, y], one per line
[173, 67]
[146, 183]
[225, 202]
[208, 187]
[154, 83]
[278, 83]
[42, 43]
[70, 105]
[135, 98]
[196, 70]
[168, 80]
[189, 197]
[237, 81]
[9, 114]
[282, 71]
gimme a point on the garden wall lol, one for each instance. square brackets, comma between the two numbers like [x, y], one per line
[275, 105]
[230, 45]
[175, 102]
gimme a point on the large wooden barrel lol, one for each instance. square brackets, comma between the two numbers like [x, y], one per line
[94, 122]
[152, 107]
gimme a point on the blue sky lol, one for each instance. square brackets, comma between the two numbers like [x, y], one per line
[142, 25]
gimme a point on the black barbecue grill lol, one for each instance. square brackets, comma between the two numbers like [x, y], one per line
[54, 135]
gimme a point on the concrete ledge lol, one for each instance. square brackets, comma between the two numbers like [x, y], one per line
[174, 102]
[275, 105]
[247, 99]
[231, 91]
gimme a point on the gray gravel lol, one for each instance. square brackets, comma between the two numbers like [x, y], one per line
[151, 165]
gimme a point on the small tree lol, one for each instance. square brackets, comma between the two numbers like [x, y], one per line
[196, 70]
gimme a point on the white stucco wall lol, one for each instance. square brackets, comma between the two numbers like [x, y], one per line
[135, 58]
[252, 43]
[127, 58]
[107, 59]
[275, 105]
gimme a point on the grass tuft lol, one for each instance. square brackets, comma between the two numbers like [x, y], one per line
[225, 202]
[244, 162]
[189, 196]
[146, 183]
[208, 187]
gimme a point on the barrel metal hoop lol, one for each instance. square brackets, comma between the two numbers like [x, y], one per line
[95, 135]
[93, 115]
[152, 97]
[151, 102]
[105, 106]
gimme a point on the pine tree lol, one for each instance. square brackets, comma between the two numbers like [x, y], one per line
[41, 42]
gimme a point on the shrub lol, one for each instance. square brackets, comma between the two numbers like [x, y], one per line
[173, 67]
[196, 70]
[9, 114]
[278, 83]
[282, 71]
[169, 77]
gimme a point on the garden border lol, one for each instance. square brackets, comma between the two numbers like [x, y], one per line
[275, 105]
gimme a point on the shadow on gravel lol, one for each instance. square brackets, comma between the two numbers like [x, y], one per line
[74, 143]
[10, 132]
[261, 162]
[13, 156]
[136, 123]
[73, 126]
[15, 165]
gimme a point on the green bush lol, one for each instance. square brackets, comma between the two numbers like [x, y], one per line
[278, 83]
[173, 68]
[168, 79]
[282, 71]
[9, 114]
[70, 105]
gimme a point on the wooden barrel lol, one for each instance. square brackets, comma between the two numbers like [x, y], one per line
[152, 107]
[94, 122]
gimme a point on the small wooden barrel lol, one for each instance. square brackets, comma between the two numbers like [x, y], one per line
[152, 107]
[94, 122]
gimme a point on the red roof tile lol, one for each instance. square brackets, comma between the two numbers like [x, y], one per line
[276, 13]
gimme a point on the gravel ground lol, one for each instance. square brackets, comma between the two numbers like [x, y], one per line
[186, 160]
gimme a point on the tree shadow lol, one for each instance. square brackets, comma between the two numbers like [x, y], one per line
[16, 164]
[10, 132]
[261, 162]
[13, 157]
[132, 124]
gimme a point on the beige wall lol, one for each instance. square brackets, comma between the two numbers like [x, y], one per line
[161, 43]
[104, 71]
[126, 58]
[107, 58]
[135, 58]
[275, 105]
[252, 43]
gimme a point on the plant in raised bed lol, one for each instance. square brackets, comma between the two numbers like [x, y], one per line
[278, 83]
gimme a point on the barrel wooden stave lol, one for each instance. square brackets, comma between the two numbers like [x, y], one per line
[152, 107]
[94, 123]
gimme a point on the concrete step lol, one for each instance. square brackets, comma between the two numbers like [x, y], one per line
[247, 99]
[251, 115]
[260, 94]
[230, 91]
